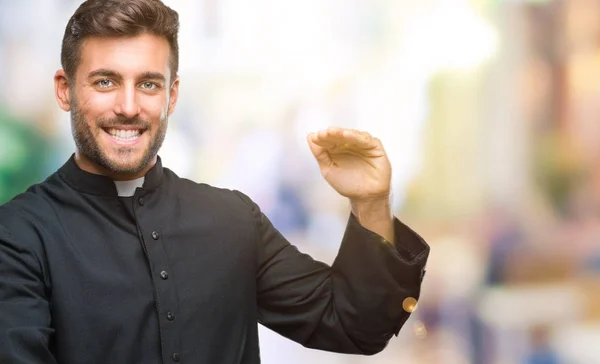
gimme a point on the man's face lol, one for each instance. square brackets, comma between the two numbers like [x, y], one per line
[120, 100]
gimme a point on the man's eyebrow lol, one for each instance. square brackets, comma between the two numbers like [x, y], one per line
[104, 73]
[153, 76]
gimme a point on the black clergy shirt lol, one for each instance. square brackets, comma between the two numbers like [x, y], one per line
[184, 274]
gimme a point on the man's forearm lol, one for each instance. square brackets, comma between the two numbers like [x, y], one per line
[375, 215]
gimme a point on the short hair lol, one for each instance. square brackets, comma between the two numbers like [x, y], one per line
[120, 18]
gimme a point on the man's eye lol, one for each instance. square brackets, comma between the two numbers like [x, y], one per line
[149, 85]
[104, 83]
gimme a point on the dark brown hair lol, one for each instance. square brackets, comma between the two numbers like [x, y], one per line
[127, 18]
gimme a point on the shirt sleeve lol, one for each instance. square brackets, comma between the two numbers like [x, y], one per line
[353, 306]
[25, 329]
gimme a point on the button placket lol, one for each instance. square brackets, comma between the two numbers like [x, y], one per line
[166, 297]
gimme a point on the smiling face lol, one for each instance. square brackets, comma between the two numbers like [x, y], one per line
[120, 100]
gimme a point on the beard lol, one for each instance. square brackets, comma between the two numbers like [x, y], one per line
[88, 145]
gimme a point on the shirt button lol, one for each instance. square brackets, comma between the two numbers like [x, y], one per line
[155, 235]
[170, 316]
[141, 201]
[175, 357]
[164, 274]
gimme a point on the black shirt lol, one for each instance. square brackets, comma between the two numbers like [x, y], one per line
[184, 275]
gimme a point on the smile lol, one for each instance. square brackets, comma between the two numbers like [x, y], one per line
[124, 136]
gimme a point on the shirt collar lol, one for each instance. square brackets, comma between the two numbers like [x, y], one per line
[95, 184]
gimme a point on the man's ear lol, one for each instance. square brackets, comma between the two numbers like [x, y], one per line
[62, 90]
[173, 95]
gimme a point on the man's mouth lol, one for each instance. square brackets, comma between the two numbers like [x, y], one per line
[124, 135]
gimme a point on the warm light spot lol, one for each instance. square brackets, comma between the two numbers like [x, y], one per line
[409, 304]
[420, 330]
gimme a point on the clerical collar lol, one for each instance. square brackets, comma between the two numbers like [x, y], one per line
[127, 188]
[95, 184]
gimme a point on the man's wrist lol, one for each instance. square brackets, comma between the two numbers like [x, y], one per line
[375, 214]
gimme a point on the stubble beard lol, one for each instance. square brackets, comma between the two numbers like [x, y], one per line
[88, 145]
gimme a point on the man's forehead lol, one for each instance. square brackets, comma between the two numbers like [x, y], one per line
[126, 55]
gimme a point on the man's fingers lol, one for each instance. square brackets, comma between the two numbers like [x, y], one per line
[360, 139]
[319, 152]
[324, 141]
[338, 139]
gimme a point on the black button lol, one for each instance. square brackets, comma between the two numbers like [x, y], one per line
[170, 316]
[175, 357]
[141, 201]
[164, 275]
[155, 235]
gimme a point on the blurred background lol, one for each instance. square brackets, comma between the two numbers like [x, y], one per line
[487, 108]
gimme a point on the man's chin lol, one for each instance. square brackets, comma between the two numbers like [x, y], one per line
[126, 166]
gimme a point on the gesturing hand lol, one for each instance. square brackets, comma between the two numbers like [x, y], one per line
[353, 162]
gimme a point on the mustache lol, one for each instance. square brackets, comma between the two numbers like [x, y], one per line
[123, 121]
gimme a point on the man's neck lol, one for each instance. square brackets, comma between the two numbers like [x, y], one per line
[92, 167]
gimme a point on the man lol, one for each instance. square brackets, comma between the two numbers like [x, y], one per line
[115, 259]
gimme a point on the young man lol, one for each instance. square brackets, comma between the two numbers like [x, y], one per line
[115, 259]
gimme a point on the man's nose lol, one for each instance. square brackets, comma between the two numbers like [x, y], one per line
[127, 103]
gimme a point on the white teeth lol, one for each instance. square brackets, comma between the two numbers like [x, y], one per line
[125, 135]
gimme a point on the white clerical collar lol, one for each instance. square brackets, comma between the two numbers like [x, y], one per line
[127, 188]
